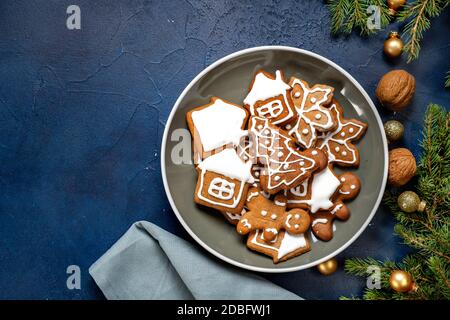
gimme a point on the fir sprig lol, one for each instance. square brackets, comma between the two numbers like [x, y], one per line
[447, 80]
[349, 15]
[427, 232]
[418, 15]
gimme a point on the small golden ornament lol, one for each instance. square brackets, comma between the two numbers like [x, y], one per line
[401, 281]
[328, 267]
[410, 202]
[393, 45]
[394, 5]
[402, 167]
[394, 130]
[396, 89]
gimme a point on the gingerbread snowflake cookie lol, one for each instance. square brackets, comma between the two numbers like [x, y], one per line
[313, 113]
[271, 217]
[223, 181]
[269, 98]
[285, 245]
[215, 125]
[322, 220]
[284, 166]
[338, 143]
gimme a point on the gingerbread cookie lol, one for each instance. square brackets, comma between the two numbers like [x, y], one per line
[322, 221]
[285, 166]
[269, 98]
[216, 125]
[338, 143]
[271, 217]
[223, 181]
[313, 115]
[282, 248]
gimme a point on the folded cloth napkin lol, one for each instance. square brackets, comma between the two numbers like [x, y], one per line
[150, 263]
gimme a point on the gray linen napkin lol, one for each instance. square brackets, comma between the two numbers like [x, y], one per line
[148, 262]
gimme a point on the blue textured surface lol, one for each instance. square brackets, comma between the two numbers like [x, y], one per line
[82, 114]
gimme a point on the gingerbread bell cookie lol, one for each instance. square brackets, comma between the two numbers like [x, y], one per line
[267, 163]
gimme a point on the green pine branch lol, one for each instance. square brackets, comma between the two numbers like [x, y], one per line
[447, 80]
[427, 232]
[349, 15]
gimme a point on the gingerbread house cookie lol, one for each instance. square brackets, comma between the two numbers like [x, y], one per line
[269, 98]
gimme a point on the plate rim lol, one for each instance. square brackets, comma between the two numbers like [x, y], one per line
[163, 159]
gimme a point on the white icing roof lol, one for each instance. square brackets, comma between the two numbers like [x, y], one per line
[264, 88]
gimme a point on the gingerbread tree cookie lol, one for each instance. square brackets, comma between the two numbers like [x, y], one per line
[284, 165]
[338, 143]
[313, 115]
[271, 217]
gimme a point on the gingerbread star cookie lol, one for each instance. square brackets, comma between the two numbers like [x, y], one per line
[284, 165]
[313, 114]
[338, 143]
[271, 216]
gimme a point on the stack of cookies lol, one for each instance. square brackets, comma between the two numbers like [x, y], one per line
[268, 165]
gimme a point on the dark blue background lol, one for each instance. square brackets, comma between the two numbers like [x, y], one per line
[82, 114]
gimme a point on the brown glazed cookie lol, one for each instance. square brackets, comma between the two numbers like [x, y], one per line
[338, 142]
[223, 182]
[282, 248]
[284, 165]
[322, 220]
[269, 98]
[271, 217]
[313, 113]
[215, 126]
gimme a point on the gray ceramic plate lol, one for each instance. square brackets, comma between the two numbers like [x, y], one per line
[229, 79]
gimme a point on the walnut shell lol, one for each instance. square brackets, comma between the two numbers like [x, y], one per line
[402, 167]
[396, 89]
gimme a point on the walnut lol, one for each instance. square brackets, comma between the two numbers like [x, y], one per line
[402, 167]
[396, 89]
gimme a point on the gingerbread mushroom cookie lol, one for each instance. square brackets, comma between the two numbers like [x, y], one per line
[215, 125]
[322, 220]
[223, 181]
[284, 165]
[282, 248]
[271, 217]
[269, 98]
[338, 142]
[313, 114]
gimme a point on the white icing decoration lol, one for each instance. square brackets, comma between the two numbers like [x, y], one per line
[302, 163]
[256, 174]
[305, 131]
[336, 149]
[297, 94]
[316, 221]
[228, 163]
[344, 192]
[342, 134]
[263, 213]
[288, 126]
[288, 218]
[264, 88]
[297, 216]
[353, 187]
[219, 124]
[351, 130]
[235, 216]
[252, 195]
[318, 116]
[277, 178]
[344, 153]
[337, 208]
[246, 224]
[313, 100]
[296, 226]
[273, 216]
[221, 188]
[301, 112]
[314, 152]
[297, 190]
[272, 230]
[281, 204]
[324, 185]
[343, 179]
[327, 137]
[286, 166]
[280, 154]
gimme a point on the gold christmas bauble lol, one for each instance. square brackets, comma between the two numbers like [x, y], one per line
[328, 267]
[401, 281]
[393, 45]
[394, 5]
[394, 130]
[409, 202]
